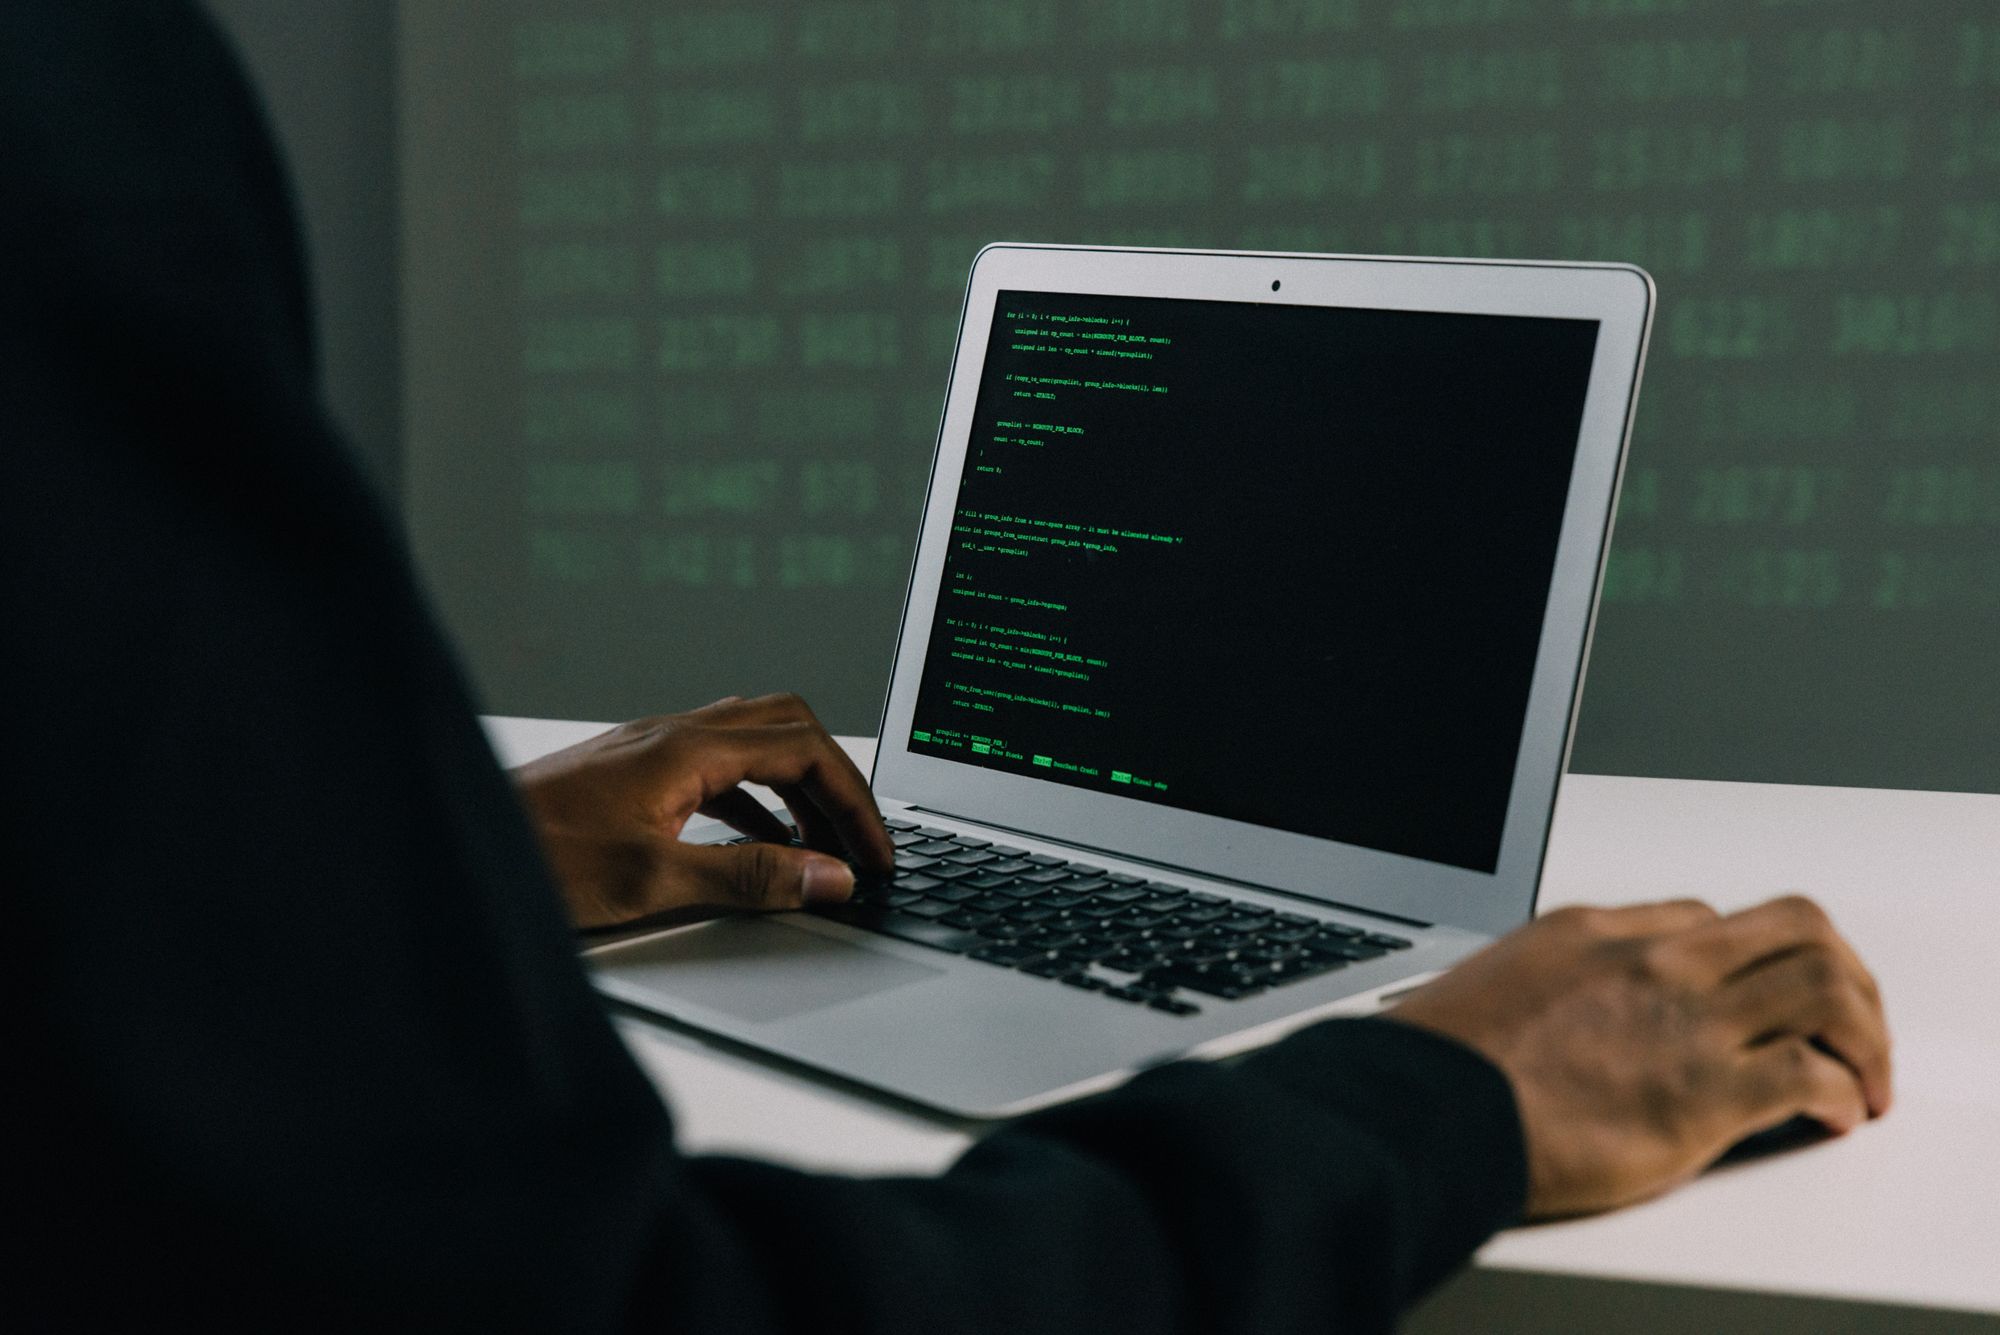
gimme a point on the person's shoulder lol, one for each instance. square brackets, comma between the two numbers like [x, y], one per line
[117, 100]
[144, 186]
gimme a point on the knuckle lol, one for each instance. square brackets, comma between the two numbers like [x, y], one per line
[1806, 913]
[1652, 960]
[1573, 918]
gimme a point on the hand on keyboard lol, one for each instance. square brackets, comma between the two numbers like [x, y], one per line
[610, 811]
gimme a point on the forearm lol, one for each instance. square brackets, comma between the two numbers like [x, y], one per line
[1321, 1186]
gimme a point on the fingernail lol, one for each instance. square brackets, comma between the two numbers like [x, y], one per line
[827, 880]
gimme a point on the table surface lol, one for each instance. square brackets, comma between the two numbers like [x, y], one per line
[1905, 1210]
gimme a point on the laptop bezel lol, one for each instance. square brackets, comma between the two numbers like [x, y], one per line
[1619, 297]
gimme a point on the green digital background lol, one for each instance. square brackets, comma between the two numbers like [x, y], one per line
[680, 285]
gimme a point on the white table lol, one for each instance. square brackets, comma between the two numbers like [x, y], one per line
[1903, 1212]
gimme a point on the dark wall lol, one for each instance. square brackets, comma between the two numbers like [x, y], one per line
[682, 281]
[327, 74]
[767, 210]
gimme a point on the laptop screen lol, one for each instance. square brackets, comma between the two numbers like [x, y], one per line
[1281, 564]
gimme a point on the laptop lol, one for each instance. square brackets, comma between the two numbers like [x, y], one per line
[1236, 674]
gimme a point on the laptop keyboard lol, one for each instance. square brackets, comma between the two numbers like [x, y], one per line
[1120, 936]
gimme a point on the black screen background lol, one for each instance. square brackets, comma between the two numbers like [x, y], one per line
[1342, 643]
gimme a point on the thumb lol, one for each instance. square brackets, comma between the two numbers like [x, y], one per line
[750, 878]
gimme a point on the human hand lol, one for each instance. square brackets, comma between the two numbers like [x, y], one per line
[610, 811]
[1643, 1042]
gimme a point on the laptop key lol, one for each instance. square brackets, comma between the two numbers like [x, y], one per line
[1326, 963]
[1085, 884]
[1354, 951]
[904, 927]
[933, 832]
[949, 871]
[1045, 860]
[1124, 878]
[904, 838]
[1128, 994]
[1046, 876]
[971, 920]
[1206, 980]
[913, 862]
[1049, 967]
[931, 848]
[1007, 866]
[986, 880]
[951, 894]
[930, 908]
[1005, 953]
[899, 825]
[1088, 982]
[1131, 959]
[917, 881]
[1304, 966]
[1174, 1006]
[1009, 851]
[1390, 942]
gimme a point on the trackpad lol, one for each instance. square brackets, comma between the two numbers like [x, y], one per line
[759, 970]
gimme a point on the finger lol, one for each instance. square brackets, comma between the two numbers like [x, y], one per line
[792, 709]
[1790, 1078]
[876, 850]
[816, 830]
[773, 710]
[802, 755]
[755, 878]
[1812, 993]
[745, 813]
[1739, 941]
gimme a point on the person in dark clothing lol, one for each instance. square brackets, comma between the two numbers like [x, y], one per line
[296, 1028]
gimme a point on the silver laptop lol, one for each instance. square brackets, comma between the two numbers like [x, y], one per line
[1236, 676]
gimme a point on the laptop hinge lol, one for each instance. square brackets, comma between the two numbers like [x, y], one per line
[1169, 868]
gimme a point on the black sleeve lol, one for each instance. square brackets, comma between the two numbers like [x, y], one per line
[295, 1024]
